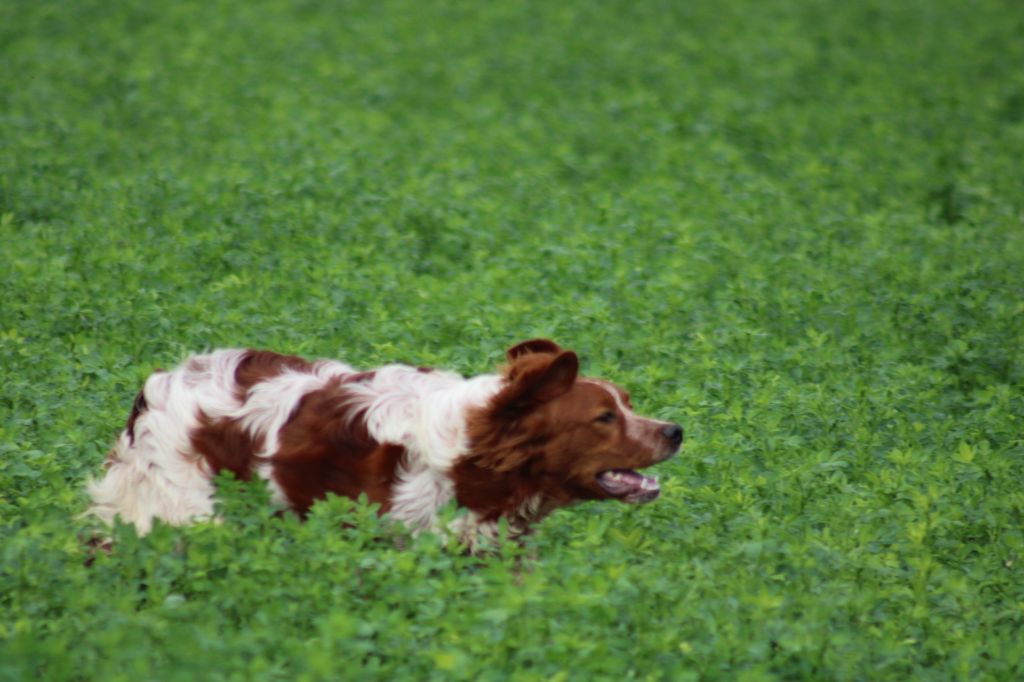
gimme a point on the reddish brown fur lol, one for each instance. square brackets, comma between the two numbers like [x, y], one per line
[359, 377]
[260, 365]
[542, 434]
[223, 442]
[138, 407]
[325, 447]
[226, 445]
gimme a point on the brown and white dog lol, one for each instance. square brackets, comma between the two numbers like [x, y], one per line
[514, 445]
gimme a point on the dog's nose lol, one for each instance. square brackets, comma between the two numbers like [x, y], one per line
[674, 434]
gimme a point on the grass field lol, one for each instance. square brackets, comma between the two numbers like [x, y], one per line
[795, 227]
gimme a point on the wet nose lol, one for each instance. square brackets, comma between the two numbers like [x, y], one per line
[673, 433]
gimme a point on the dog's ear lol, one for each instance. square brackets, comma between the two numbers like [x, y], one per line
[539, 377]
[531, 346]
[532, 379]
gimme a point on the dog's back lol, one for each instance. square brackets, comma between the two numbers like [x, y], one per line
[306, 428]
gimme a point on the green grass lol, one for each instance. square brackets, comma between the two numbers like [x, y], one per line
[795, 227]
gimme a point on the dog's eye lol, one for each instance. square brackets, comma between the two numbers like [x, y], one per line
[606, 418]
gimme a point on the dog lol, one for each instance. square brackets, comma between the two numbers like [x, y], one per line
[515, 445]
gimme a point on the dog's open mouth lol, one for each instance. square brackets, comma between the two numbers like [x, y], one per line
[629, 486]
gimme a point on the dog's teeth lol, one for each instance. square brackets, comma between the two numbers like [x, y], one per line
[649, 483]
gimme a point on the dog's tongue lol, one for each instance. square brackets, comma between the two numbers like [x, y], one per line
[629, 485]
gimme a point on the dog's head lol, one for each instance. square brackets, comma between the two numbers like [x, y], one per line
[569, 437]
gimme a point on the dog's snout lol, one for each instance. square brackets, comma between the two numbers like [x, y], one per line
[673, 433]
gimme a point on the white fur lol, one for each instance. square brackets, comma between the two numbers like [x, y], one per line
[425, 413]
[271, 403]
[277, 495]
[159, 475]
[472, 531]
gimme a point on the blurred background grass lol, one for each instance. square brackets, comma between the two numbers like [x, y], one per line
[794, 226]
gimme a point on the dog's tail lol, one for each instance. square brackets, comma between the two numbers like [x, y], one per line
[98, 541]
[102, 491]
